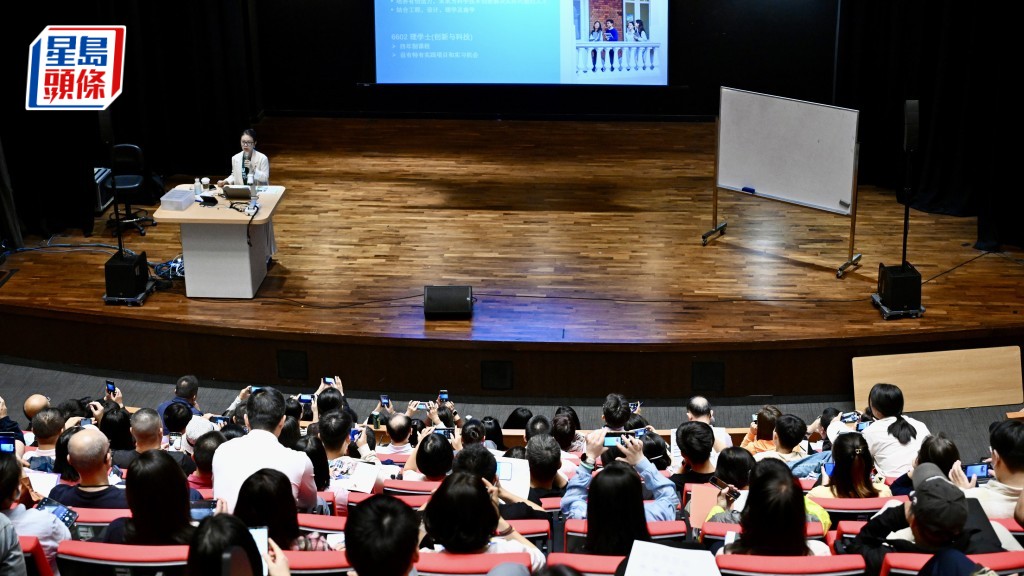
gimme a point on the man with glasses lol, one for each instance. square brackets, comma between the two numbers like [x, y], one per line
[248, 162]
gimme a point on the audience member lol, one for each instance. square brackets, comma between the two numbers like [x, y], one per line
[517, 419]
[314, 448]
[47, 425]
[820, 425]
[32, 405]
[28, 521]
[495, 438]
[186, 393]
[198, 426]
[998, 496]
[462, 517]
[545, 459]
[774, 520]
[938, 517]
[232, 431]
[518, 452]
[292, 407]
[538, 424]
[371, 554]
[656, 449]
[732, 511]
[158, 496]
[68, 474]
[579, 440]
[12, 558]
[222, 533]
[695, 440]
[935, 448]
[265, 499]
[473, 432]
[853, 474]
[789, 433]
[290, 432]
[176, 418]
[89, 453]
[894, 439]
[762, 430]
[734, 466]
[565, 433]
[237, 459]
[698, 409]
[478, 460]
[116, 426]
[432, 458]
[615, 412]
[7, 424]
[202, 456]
[146, 429]
[399, 430]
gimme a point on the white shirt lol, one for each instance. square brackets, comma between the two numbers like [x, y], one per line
[891, 457]
[503, 546]
[42, 525]
[260, 168]
[238, 458]
[996, 498]
[721, 435]
[392, 449]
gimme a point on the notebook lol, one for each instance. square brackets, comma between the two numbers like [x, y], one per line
[236, 192]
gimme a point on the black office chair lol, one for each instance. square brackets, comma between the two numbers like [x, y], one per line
[128, 186]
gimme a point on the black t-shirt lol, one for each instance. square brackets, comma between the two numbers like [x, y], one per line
[537, 493]
[689, 477]
[123, 459]
[109, 497]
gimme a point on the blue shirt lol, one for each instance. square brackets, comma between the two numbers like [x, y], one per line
[163, 406]
[574, 502]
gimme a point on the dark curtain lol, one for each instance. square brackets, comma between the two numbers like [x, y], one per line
[9, 227]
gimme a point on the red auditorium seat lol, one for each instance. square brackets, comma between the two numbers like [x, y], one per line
[748, 565]
[79, 558]
[840, 509]
[718, 530]
[586, 564]
[908, 563]
[414, 501]
[397, 487]
[661, 531]
[536, 531]
[92, 521]
[36, 563]
[445, 564]
[304, 563]
[322, 523]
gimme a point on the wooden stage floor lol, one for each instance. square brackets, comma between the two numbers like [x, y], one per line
[582, 243]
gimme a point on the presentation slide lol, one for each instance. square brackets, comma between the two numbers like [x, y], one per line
[521, 42]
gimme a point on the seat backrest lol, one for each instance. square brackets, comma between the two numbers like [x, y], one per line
[126, 159]
[396, 487]
[446, 564]
[322, 523]
[586, 564]
[36, 563]
[330, 563]
[92, 521]
[746, 565]
[840, 509]
[79, 558]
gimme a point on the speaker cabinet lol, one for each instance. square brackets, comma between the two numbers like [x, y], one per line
[911, 125]
[126, 275]
[447, 302]
[899, 287]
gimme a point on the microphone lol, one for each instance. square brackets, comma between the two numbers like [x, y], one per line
[247, 155]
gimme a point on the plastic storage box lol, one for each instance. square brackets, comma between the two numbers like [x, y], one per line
[178, 199]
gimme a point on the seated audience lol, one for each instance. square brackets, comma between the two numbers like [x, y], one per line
[657, 450]
[762, 430]
[159, 498]
[68, 474]
[462, 518]
[198, 426]
[176, 418]
[516, 452]
[544, 457]
[146, 429]
[615, 412]
[12, 558]
[774, 520]
[478, 460]
[517, 419]
[636, 422]
[695, 440]
[202, 456]
[938, 516]
[186, 393]
[89, 454]
[28, 521]
[222, 533]
[432, 458]
[538, 424]
[493, 433]
[290, 432]
[998, 496]
[789, 432]
[579, 441]
[265, 499]
[116, 425]
[32, 405]
[399, 431]
[698, 409]
[7, 424]
[935, 448]
[314, 448]
[894, 439]
[473, 432]
[575, 502]
[820, 426]
[853, 474]
[565, 433]
[47, 425]
[371, 554]
[731, 511]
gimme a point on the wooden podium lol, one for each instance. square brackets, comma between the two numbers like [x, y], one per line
[225, 251]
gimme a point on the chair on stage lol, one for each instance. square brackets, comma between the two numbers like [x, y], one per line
[128, 186]
[79, 558]
[36, 563]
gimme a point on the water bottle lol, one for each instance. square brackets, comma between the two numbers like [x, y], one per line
[198, 187]
[252, 187]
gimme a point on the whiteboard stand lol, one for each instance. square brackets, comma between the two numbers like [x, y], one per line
[793, 151]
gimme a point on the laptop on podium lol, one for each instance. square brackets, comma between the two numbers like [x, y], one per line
[236, 192]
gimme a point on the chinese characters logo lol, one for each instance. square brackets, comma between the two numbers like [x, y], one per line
[75, 68]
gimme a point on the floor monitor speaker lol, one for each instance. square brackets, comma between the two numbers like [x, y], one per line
[449, 302]
[127, 275]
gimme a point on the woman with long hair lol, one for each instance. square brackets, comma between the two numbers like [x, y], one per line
[894, 439]
[936, 449]
[159, 498]
[493, 433]
[596, 35]
[68, 474]
[314, 448]
[266, 499]
[223, 533]
[852, 476]
[116, 426]
[774, 520]
[462, 518]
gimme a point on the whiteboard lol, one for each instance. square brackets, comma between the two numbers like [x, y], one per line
[789, 150]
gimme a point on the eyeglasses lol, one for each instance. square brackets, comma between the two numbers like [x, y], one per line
[248, 142]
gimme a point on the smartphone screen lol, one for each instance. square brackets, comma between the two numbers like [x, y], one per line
[979, 470]
[862, 425]
[634, 406]
[110, 387]
[446, 432]
[385, 401]
[259, 534]
[85, 422]
[329, 380]
[353, 434]
[219, 419]
[65, 514]
[7, 445]
[421, 406]
[640, 432]
[306, 398]
[612, 439]
[174, 440]
[504, 471]
[753, 417]
[203, 508]
[443, 396]
[721, 485]
[829, 467]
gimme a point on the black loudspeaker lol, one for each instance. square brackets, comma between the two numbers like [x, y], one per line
[447, 302]
[127, 275]
[911, 125]
[899, 287]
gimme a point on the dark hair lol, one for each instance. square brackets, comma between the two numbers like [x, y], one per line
[615, 410]
[698, 406]
[250, 132]
[73, 407]
[333, 429]
[564, 431]
[939, 450]
[516, 452]
[60, 455]
[766, 418]
[232, 431]
[434, 456]
[176, 417]
[293, 408]
[851, 477]
[416, 426]
[476, 459]
[887, 400]
[10, 477]
[518, 418]
[446, 416]
[657, 451]
[314, 448]
[238, 414]
[635, 422]
[492, 432]
[330, 400]
[734, 466]
[827, 415]
[371, 442]
[460, 515]
[48, 423]
[216, 535]
[117, 427]
[544, 456]
[791, 430]
[290, 432]
[1007, 440]
[205, 446]
[538, 424]
[571, 413]
[266, 499]
[774, 521]
[158, 496]
[368, 552]
[615, 511]
[187, 387]
[695, 440]
[264, 409]
[473, 432]
[398, 427]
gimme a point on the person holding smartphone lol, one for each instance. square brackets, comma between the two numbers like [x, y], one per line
[852, 474]
[399, 428]
[186, 392]
[28, 521]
